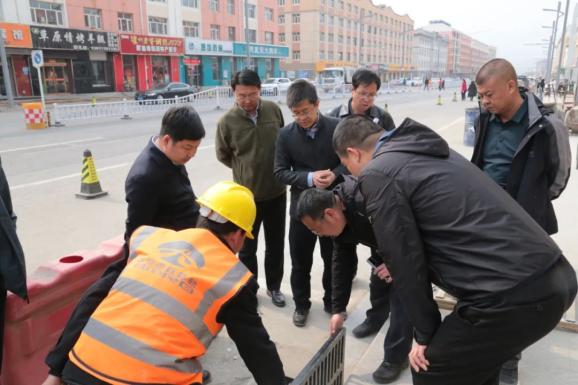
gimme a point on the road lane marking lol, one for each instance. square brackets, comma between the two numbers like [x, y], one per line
[458, 120]
[77, 175]
[50, 145]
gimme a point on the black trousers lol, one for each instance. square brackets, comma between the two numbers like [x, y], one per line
[301, 247]
[271, 214]
[474, 341]
[3, 294]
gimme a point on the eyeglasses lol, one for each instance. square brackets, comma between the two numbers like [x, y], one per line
[303, 113]
[366, 95]
[250, 96]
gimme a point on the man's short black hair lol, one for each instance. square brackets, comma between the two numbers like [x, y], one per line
[365, 77]
[219, 229]
[357, 131]
[182, 123]
[313, 202]
[299, 91]
[246, 77]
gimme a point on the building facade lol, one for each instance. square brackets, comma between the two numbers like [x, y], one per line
[128, 45]
[465, 54]
[430, 54]
[356, 33]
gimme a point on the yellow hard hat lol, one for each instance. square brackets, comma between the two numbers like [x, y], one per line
[233, 202]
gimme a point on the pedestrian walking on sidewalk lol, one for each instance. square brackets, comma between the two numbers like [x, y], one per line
[472, 91]
[245, 142]
[439, 220]
[464, 89]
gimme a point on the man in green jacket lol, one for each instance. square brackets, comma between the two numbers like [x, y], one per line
[245, 142]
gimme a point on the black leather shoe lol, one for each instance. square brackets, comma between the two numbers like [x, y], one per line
[388, 372]
[365, 329]
[300, 317]
[277, 297]
[206, 376]
[509, 376]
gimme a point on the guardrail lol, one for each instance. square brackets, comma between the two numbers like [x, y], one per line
[125, 109]
[326, 366]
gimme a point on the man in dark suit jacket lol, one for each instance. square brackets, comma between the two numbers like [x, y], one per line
[304, 158]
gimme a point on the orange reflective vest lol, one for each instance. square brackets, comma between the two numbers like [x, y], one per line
[161, 314]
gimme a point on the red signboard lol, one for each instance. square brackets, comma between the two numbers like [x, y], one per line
[191, 62]
[151, 45]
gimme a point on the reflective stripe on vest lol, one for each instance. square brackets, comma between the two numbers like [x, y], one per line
[161, 313]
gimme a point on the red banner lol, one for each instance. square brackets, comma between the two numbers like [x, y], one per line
[151, 45]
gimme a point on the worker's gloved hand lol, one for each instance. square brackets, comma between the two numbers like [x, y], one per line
[288, 380]
[52, 380]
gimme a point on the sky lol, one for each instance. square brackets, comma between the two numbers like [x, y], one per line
[509, 25]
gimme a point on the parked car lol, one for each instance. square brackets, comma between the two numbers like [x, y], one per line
[168, 91]
[273, 86]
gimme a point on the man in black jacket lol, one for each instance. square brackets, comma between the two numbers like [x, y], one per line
[524, 148]
[304, 158]
[12, 266]
[365, 85]
[341, 214]
[522, 145]
[158, 193]
[438, 219]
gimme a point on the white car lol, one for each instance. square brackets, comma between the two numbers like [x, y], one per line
[273, 86]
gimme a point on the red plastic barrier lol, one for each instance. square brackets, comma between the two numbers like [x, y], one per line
[54, 289]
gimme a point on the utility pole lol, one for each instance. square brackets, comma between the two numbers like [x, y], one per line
[247, 42]
[6, 71]
[360, 19]
[550, 54]
[562, 41]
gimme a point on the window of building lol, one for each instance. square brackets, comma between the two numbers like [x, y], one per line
[296, 18]
[296, 2]
[330, 55]
[158, 25]
[331, 20]
[251, 11]
[296, 36]
[190, 29]
[281, 19]
[282, 37]
[296, 55]
[339, 55]
[125, 22]
[330, 38]
[349, 7]
[232, 33]
[93, 18]
[214, 5]
[231, 7]
[332, 3]
[158, 1]
[269, 37]
[322, 36]
[281, 2]
[340, 39]
[215, 32]
[190, 3]
[322, 55]
[341, 23]
[269, 14]
[322, 18]
[252, 35]
[46, 13]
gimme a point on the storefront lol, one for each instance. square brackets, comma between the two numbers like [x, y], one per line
[147, 62]
[264, 57]
[211, 62]
[18, 44]
[75, 61]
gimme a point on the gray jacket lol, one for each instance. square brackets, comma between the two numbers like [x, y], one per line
[377, 114]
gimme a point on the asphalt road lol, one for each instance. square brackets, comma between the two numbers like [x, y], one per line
[44, 166]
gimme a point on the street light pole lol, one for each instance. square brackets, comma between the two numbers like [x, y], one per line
[562, 42]
[551, 46]
[247, 33]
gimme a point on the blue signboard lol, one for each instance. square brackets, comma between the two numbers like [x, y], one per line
[261, 50]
